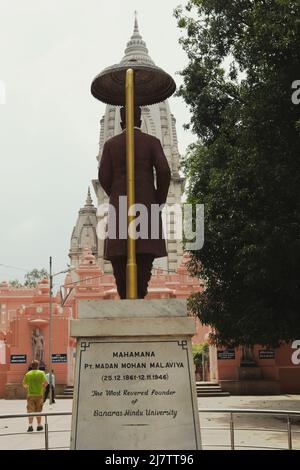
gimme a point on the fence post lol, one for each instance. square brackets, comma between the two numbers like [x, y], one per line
[289, 430]
[231, 431]
[46, 434]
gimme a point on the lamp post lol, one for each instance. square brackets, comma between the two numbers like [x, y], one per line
[51, 276]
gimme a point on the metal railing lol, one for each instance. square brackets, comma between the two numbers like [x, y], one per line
[232, 429]
[46, 425]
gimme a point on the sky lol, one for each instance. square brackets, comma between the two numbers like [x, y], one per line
[50, 51]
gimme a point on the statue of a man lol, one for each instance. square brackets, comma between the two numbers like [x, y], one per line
[37, 341]
[247, 357]
[149, 158]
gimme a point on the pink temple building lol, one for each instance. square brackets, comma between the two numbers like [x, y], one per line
[27, 318]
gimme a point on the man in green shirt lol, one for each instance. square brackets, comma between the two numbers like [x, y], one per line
[34, 381]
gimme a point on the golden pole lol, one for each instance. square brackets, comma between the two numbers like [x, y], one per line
[131, 271]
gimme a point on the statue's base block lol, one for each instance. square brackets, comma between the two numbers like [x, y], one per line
[134, 384]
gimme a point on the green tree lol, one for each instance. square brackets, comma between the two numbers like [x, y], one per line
[200, 351]
[243, 57]
[33, 277]
[16, 283]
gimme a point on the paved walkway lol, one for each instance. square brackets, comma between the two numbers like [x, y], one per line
[271, 430]
[35, 440]
[212, 438]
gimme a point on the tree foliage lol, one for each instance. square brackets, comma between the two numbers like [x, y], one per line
[16, 283]
[243, 57]
[33, 277]
[200, 352]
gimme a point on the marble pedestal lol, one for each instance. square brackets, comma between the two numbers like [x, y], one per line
[134, 379]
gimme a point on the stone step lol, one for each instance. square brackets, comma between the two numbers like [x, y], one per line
[207, 384]
[213, 394]
[210, 389]
[67, 393]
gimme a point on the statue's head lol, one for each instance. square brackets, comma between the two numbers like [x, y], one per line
[137, 117]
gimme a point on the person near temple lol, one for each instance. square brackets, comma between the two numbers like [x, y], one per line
[34, 381]
[47, 389]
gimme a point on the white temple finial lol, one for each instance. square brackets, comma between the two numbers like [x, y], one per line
[89, 201]
[136, 26]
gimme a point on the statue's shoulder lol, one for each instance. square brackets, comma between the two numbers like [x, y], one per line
[149, 137]
[114, 140]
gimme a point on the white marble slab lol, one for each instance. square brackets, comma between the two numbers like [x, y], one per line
[133, 327]
[136, 393]
[131, 308]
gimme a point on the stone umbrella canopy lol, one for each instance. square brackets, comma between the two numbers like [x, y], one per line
[152, 84]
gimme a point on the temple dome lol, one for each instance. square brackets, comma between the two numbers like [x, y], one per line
[136, 49]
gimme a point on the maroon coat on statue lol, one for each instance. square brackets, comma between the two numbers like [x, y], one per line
[149, 155]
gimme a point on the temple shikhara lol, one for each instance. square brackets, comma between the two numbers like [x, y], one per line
[24, 312]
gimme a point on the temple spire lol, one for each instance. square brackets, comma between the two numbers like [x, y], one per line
[136, 49]
[85, 231]
[89, 201]
[136, 26]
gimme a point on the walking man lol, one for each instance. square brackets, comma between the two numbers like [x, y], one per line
[47, 390]
[34, 382]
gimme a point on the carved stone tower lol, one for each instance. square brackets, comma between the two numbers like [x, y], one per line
[84, 232]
